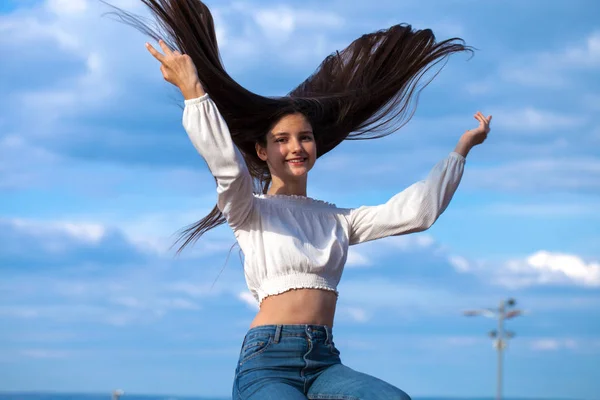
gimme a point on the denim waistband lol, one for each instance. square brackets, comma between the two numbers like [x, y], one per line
[279, 331]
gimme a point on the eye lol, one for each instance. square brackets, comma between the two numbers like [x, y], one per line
[307, 138]
[280, 140]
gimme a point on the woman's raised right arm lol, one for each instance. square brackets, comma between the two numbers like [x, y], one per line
[210, 136]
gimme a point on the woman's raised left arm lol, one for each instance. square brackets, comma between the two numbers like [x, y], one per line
[416, 208]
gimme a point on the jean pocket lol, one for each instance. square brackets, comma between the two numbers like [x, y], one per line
[254, 347]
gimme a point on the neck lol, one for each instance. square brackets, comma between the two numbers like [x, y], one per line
[296, 187]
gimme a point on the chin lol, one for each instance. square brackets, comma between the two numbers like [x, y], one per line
[298, 174]
[295, 169]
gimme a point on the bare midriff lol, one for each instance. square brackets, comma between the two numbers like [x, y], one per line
[297, 307]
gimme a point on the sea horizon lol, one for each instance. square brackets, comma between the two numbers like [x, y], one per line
[48, 395]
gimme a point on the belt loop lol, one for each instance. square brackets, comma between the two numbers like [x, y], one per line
[329, 334]
[277, 334]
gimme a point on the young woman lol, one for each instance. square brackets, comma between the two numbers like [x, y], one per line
[295, 247]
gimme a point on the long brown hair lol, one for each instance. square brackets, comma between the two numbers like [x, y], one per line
[366, 91]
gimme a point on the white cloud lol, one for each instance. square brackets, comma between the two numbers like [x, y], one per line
[459, 263]
[86, 232]
[31, 28]
[160, 305]
[287, 35]
[276, 24]
[541, 210]
[552, 68]
[553, 344]
[462, 341]
[481, 87]
[177, 303]
[73, 31]
[531, 120]
[412, 242]
[127, 301]
[529, 76]
[146, 233]
[558, 267]
[427, 343]
[586, 55]
[356, 259]
[16, 159]
[279, 23]
[67, 6]
[541, 269]
[46, 337]
[83, 91]
[364, 252]
[69, 312]
[247, 298]
[370, 294]
[44, 353]
[356, 314]
[100, 276]
[21, 312]
[104, 55]
[424, 342]
[122, 298]
[190, 289]
[560, 173]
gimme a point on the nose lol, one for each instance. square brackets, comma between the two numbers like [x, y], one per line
[296, 146]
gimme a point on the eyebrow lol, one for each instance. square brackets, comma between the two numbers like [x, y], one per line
[287, 133]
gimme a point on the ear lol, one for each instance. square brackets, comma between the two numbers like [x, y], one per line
[261, 152]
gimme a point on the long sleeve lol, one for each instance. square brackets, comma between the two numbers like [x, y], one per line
[413, 210]
[210, 136]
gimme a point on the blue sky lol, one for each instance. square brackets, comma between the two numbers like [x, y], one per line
[97, 174]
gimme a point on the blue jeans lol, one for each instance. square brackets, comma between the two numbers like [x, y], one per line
[281, 362]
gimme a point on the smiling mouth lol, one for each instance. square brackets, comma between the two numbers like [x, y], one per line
[297, 161]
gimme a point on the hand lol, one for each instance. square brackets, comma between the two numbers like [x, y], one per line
[478, 135]
[474, 136]
[178, 69]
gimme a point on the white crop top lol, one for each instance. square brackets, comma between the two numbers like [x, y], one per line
[292, 242]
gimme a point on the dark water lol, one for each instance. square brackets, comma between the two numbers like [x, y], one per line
[75, 396]
[107, 396]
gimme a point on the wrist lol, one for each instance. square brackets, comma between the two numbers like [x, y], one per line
[192, 91]
[463, 147]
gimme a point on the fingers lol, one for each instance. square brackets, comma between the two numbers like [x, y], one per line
[484, 122]
[483, 119]
[165, 48]
[479, 117]
[487, 119]
[155, 53]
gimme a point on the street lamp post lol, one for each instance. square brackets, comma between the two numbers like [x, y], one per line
[116, 394]
[504, 311]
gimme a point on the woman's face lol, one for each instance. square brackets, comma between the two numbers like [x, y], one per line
[291, 150]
